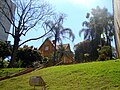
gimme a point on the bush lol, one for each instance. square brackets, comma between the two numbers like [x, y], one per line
[104, 53]
[26, 56]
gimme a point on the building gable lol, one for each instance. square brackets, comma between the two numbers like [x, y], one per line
[47, 48]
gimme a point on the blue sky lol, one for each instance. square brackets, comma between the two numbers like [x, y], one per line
[76, 11]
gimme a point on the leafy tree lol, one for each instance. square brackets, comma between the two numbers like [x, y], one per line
[104, 23]
[28, 55]
[104, 53]
[58, 31]
[5, 51]
[98, 28]
[99, 24]
[28, 14]
[83, 52]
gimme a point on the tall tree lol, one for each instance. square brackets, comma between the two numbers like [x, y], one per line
[104, 24]
[58, 31]
[28, 14]
[99, 25]
[98, 28]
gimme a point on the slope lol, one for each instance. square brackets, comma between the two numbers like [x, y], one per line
[86, 76]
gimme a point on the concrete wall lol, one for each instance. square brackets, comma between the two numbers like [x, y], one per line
[4, 20]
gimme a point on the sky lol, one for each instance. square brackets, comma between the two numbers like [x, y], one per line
[76, 11]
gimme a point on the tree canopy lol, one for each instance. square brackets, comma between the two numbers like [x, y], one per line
[99, 25]
[27, 55]
[99, 29]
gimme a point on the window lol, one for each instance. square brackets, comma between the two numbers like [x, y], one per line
[46, 48]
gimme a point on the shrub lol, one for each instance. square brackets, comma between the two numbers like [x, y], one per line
[104, 53]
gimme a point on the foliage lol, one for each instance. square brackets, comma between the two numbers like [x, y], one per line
[27, 55]
[99, 24]
[45, 60]
[93, 76]
[83, 52]
[104, 53]
[4, 63]
[5, 51]
[58, 31]
[98, 28]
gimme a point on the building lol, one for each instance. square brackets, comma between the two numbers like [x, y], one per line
[4, 23]
[47, 50]
[116, 6]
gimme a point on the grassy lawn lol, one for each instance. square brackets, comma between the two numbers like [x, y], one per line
[86, 76]
[8, 71]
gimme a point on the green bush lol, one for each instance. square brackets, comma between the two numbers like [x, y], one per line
[104, 53]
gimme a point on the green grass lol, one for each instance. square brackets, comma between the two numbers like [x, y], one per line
[8, 71]
[86, 76]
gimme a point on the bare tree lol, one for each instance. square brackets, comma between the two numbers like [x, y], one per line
[28, 14]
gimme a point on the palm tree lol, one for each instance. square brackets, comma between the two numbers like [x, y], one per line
[63, 51]
[99, 27]
[60, 53]
[89, 31]
[58, 32]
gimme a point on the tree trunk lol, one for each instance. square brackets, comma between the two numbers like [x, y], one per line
[111, 55]
[54, 57]
[92, 51]
[14, 52]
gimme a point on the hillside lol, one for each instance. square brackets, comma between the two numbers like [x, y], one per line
[86, 76]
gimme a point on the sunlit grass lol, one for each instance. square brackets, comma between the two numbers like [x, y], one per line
[86, 76]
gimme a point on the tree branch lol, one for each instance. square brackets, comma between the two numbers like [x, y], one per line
[34, 38]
